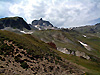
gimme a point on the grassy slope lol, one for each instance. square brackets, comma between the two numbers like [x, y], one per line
[30, 43]
[92, 41]
[59, 38]
[93, 67]
[92, 29]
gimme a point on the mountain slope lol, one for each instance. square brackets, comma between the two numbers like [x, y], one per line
[24, 54]
[14, 22]
[71, 40]
[74, 45]
[89, 29]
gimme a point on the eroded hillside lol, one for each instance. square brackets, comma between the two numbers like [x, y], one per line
[23, 54]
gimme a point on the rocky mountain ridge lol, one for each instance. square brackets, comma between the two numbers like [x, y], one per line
[21, 24]
[14, 22]
[42, 24]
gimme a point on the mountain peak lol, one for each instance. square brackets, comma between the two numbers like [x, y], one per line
[42, 24]
[14, 22]
[41, 19]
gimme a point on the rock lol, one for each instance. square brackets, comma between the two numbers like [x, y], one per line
[82, 54]
[42, 24]
[76, 53]
[64, 50]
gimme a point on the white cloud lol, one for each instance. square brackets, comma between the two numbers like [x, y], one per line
[61, 13]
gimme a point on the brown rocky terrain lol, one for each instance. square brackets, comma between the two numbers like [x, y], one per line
[19, 62]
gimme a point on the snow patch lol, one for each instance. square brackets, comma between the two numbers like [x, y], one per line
[26, 32]
[84, 36]
[82, 43]
[85, 45]
[23, 32]
[36, 26]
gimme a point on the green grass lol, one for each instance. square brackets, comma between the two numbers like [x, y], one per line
[33, 46]
[94, 42]
[92, 68]
[59, 38]
[37, 47]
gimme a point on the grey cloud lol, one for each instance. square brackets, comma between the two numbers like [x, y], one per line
[61, 13]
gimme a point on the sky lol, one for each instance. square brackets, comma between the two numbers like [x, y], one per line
[61, 13]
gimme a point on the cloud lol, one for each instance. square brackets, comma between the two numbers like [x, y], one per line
[61, 13]
[4, 11]
[4, 7]
[10, 1]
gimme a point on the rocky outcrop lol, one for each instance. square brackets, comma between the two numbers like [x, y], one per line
[82, 54]
[14, 22]
[42, 24]
[76, 53]
[64, 50]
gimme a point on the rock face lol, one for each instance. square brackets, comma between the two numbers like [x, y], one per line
[42, 24]
[14, 22]
[76, 53]
[82, 54]
[64, 50]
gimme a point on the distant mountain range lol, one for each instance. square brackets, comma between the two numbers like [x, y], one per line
[93, 30]
[89, 29]
[20, 23]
